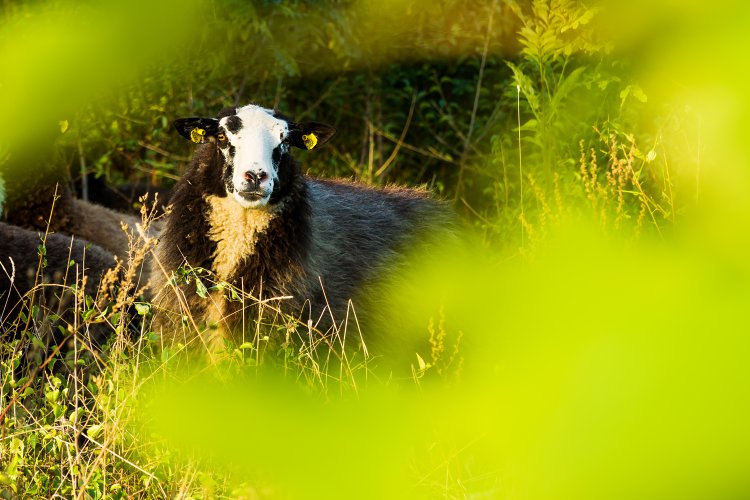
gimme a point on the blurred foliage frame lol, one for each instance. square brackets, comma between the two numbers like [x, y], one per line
[491, 107]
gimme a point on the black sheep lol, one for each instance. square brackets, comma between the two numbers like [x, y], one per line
[244, 211]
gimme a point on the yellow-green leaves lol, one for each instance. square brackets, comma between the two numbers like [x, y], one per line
[76, 52]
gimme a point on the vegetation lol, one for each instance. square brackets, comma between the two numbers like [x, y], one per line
[590, 344]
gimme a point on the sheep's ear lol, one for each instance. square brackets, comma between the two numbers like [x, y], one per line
[197, 129]
[310, 135]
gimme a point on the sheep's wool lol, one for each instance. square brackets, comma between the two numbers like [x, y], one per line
[244, 211]
[235, 230]
[2, 194]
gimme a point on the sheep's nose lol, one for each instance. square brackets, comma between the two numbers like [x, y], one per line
[255, 179]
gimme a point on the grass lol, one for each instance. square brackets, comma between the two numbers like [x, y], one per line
[98, 431]
[532, 354]
[593, 345]
[601, 358]
[74, 430]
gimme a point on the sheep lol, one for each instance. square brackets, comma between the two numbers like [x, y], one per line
[84, 233]
[55, 208]
[122, 198]
[51, 288]
[244, 211]
[20, 261]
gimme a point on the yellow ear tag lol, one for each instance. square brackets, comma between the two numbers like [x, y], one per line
[196, 135]
[310, 140]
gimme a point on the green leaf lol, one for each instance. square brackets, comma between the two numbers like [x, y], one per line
[201, 289]
[142, 309]
[570, 83]
[634, 91]
[421, 363]
[94, 431]
[529, 125]
[52, 396]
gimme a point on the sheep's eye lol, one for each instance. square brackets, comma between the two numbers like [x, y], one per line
[221, 137]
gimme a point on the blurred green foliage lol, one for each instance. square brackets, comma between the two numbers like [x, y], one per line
[420, 92]
[330, 60]
[599, 149]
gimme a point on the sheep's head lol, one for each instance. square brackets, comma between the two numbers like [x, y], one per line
[254, 143]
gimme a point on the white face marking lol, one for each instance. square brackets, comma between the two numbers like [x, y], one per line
[249, 152]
